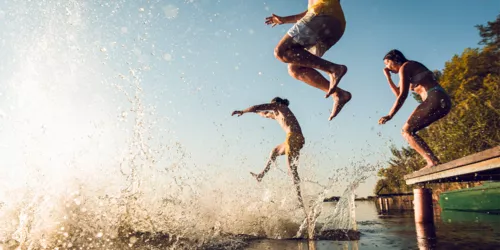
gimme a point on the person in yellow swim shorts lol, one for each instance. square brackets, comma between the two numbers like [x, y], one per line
[315, 31]
[279, 111]
[294, 143]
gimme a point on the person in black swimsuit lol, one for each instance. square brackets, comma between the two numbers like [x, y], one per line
[436, 102]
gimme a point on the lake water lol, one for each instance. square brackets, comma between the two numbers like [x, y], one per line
[397, 230]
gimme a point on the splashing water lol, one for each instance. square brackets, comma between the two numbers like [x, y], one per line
[343, 218]
[87, 163]
[75, 165]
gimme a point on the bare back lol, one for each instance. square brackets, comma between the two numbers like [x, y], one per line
[286, 119]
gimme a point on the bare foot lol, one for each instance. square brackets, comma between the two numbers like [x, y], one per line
[335, 78]
[256, 176]
[339, 101]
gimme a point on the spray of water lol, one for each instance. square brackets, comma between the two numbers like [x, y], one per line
[343, 218]
[87, 163]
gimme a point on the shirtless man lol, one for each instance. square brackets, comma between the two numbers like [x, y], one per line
[279, 111]
[315, 31]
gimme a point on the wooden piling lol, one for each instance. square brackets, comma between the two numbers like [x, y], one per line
[422, 204]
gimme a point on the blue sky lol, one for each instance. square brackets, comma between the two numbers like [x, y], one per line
[228, 54]
[207, 58]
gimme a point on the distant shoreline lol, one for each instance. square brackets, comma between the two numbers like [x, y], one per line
[337, 198]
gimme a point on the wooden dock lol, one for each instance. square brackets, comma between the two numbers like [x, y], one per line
[481, 166]
[393, 195]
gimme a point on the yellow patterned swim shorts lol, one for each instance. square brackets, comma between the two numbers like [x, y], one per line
[294, 143]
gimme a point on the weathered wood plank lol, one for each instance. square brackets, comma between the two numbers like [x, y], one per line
[467, 160]
[477, 167]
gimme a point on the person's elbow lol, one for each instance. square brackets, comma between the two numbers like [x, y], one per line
[402, 96]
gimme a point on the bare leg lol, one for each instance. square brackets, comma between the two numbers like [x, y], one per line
[292, 165]
[315, 79]
[426, 113]
[288, 51]
[422, 148]
[277, 151]
[293, 158]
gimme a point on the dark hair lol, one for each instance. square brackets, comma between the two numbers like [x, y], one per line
[280, 101]
[396, 56]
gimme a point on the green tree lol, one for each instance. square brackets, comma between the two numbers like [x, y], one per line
[402, 162]
[490, 33]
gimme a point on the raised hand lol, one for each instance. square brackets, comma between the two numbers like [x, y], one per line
[237, 112]
[384, 119]
[274, 20]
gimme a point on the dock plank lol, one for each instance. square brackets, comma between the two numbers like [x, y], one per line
[481, 162]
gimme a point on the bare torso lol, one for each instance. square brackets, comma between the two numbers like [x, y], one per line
[286, 119]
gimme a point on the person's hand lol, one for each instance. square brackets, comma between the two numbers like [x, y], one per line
[274, 19]
[387, 72]
[237, 112]
[384, 119]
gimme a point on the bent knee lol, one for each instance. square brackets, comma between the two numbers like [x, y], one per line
[407, 130]
[279, 150]
[295, 70]
[275, 151]
[279, 52]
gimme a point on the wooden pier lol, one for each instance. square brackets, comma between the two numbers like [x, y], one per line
[481, 166]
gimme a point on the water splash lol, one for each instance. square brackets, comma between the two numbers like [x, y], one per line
[89, 164]
[343, 218]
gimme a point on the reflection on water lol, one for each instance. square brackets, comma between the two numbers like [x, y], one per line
[451, 216]
[397, 230]
[426, 236]
[387, 205]
[305, 245]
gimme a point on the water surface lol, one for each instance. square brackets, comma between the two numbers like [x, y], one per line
[397, 230]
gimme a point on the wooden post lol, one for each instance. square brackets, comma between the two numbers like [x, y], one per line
[422, 204]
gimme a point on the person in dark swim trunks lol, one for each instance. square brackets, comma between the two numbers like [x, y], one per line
[315, 31]
[436, 103]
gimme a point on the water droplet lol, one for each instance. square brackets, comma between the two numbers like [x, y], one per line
[167, 57]
[132, 240]
[170, 11]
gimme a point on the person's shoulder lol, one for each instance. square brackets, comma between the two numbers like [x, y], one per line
[415, 64]
[281, 108]
[408, 66]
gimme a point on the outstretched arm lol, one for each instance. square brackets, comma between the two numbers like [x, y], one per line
[294, 18]
[404, 87]
[267, 114]
[275, 19]
[255, 109]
